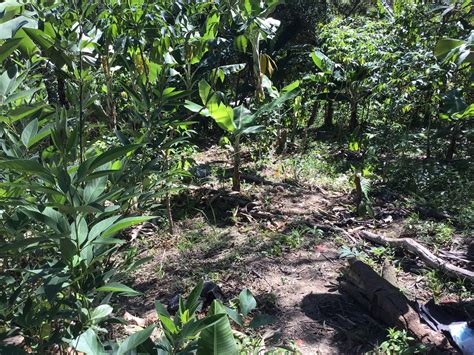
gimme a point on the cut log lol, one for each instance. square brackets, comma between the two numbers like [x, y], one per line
[422, 252]
[387, 304]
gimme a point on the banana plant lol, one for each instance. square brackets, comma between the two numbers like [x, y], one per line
[238, 121]
[256, 25]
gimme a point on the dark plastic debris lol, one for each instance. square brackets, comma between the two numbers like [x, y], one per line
[210, 292]
[452, 322]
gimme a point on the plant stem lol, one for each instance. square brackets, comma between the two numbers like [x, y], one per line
[236, 174]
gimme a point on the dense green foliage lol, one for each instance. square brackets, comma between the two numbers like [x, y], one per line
[102, 104]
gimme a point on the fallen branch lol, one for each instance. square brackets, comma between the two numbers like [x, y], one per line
[334, 229]
[386, 303]
[422, 252]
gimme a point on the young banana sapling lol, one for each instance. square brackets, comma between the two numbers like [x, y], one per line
[238, 121]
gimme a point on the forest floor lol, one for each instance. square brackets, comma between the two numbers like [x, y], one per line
[285, 240]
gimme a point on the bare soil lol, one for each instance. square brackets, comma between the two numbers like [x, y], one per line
[281, 241]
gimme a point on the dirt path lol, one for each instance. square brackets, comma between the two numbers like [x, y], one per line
[263, 239]
[260, 239]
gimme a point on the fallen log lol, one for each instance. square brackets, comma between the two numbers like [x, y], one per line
[386, 303]
[422, 252]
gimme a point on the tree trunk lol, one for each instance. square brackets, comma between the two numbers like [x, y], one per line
[428, 139]
[452, 143]
[314, 114]
[236, 173]
[353, 123]
[329, 113]
[358, 189]
[281, 141]
[169, 212]
[312, 119]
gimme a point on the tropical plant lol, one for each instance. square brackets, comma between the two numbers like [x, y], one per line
[237, 121]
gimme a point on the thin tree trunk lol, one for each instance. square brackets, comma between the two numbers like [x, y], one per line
[329, 114]
[354, 122]
[358, 189]
[169, 212]
[314, 114]
[452, 143]
[312, 119]
[294, 124]
[236, 173]
[428, 139]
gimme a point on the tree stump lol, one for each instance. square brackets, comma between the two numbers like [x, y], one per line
[386, 303]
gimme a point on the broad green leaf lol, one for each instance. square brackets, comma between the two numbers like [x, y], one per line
[109, 241]
[290, 87]
[26, 94]
[8, 81]
[276, 103]
[223, 115]
[8, 48]
[134, 340]
[204, 91]
[9, 28]
[27, 166]
[79, 230]
[191, 106]
[192, 302]
[167, 323]
[40, 38]
[445, 46]
[101, 226]
[29, 132]
[68, 249]
[120, 288]
[100, 313]
[112, 154]
[467, 113]
[64, 180]
[94, 189]
[125, 223]
[234, 315]
[324, 64]
[232, 68]
[160, 309]
[247, 302]
[91, 164]
[24, 111]
[242, 117]
[88, 343]
[241, 42]
[218, 338]
[193, 328]
[252, 130]
[136, 264]
[43, 133]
